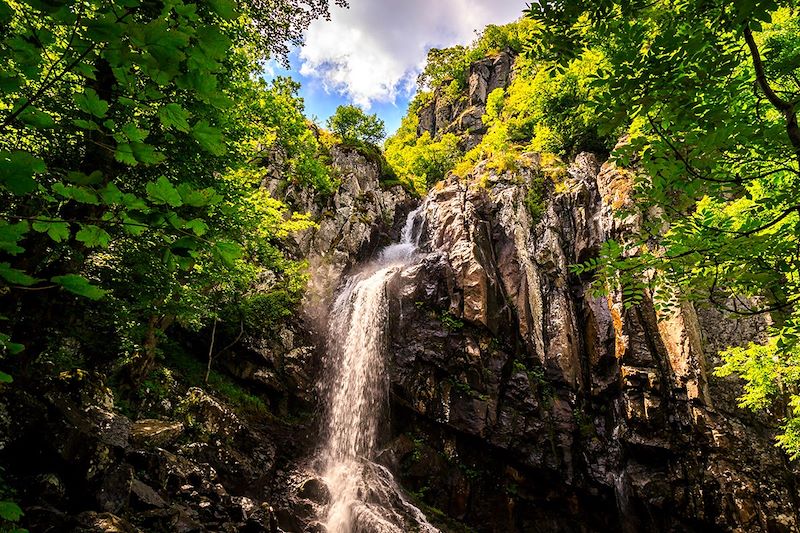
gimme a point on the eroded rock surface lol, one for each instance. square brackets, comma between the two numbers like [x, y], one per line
[530, 404]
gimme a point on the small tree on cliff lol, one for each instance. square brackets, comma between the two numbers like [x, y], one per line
[352, 124]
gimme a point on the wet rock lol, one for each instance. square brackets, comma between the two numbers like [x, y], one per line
[155, 433]
[115, 489]
[315, 490]
[210, 416]
[145, 495]
[92, 522]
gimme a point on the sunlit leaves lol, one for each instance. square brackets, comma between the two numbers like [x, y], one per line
[89, 102]
[719, 198]
[80, 286]
[93, 236]
[174, 116]
[162, 191]
[210, 138]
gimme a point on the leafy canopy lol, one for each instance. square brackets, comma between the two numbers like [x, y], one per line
[135, 138]
[353, 125]
[707, 92]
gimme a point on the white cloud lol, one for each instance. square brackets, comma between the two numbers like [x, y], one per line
[373, 51]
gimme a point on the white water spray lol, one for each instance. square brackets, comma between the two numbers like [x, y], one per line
[364, 496]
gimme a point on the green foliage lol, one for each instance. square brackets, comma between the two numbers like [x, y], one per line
[134, 139]
[192, 372]
[452, 323]
[353, 125]
[707, 94]
[451, 65]
[421, 161]
[540, 111]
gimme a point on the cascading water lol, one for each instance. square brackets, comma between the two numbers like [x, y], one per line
[364, 497]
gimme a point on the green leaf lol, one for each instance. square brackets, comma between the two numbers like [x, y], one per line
[91, 103]
[17, 170]
[93, 236]
[79, 285]
[36, 118]
[124, 154]
[11, 347]
[198, 226]
[213, 42]
[55, 229]
[84, 195]
[132, 226]
[161, 191]
[209, 137]
[146, 153]
[15, 276]
[227, 252]
[174, 116]
[133, 133]
[5, 378]
[9, 510]
[10, 235]
[82, 179]
[194, 198]
[86, 124]
[224, 8]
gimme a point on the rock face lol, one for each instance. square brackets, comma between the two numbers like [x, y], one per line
[194, 464]
[521, 402]
[464, 116]
[204, 471]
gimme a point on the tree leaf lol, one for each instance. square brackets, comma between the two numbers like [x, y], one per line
[10, 235]
[124, 154]
[79, 285]
[17, 170]
[227, 252]
[213, 42]
[36, 118]
[209, 137]
[174, 116]
[55, 229]
[161, 191]
[80, 178]
[9, 510]
[134, 133]
[224, 8]
[146, 153]
[80, 194]
[16, 277]
[198, 226]
[5, 378]
[91, 103]
[93, 236]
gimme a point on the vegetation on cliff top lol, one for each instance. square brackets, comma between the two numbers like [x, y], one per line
[541, 111]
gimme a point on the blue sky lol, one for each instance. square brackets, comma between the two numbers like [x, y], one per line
[371, 53]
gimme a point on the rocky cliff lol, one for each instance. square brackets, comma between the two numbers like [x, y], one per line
[463, 116]
[523, 403]
[79, 457]
[519, 400]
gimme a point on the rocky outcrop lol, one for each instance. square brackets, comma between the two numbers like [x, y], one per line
[463, 116]
[84, 467]
[524, 402]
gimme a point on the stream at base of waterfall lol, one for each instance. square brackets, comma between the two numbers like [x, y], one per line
[364, 495]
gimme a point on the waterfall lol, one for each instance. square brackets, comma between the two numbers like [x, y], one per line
[364, 496]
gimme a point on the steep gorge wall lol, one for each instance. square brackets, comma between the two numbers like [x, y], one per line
[521, 402]
[524, 403]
